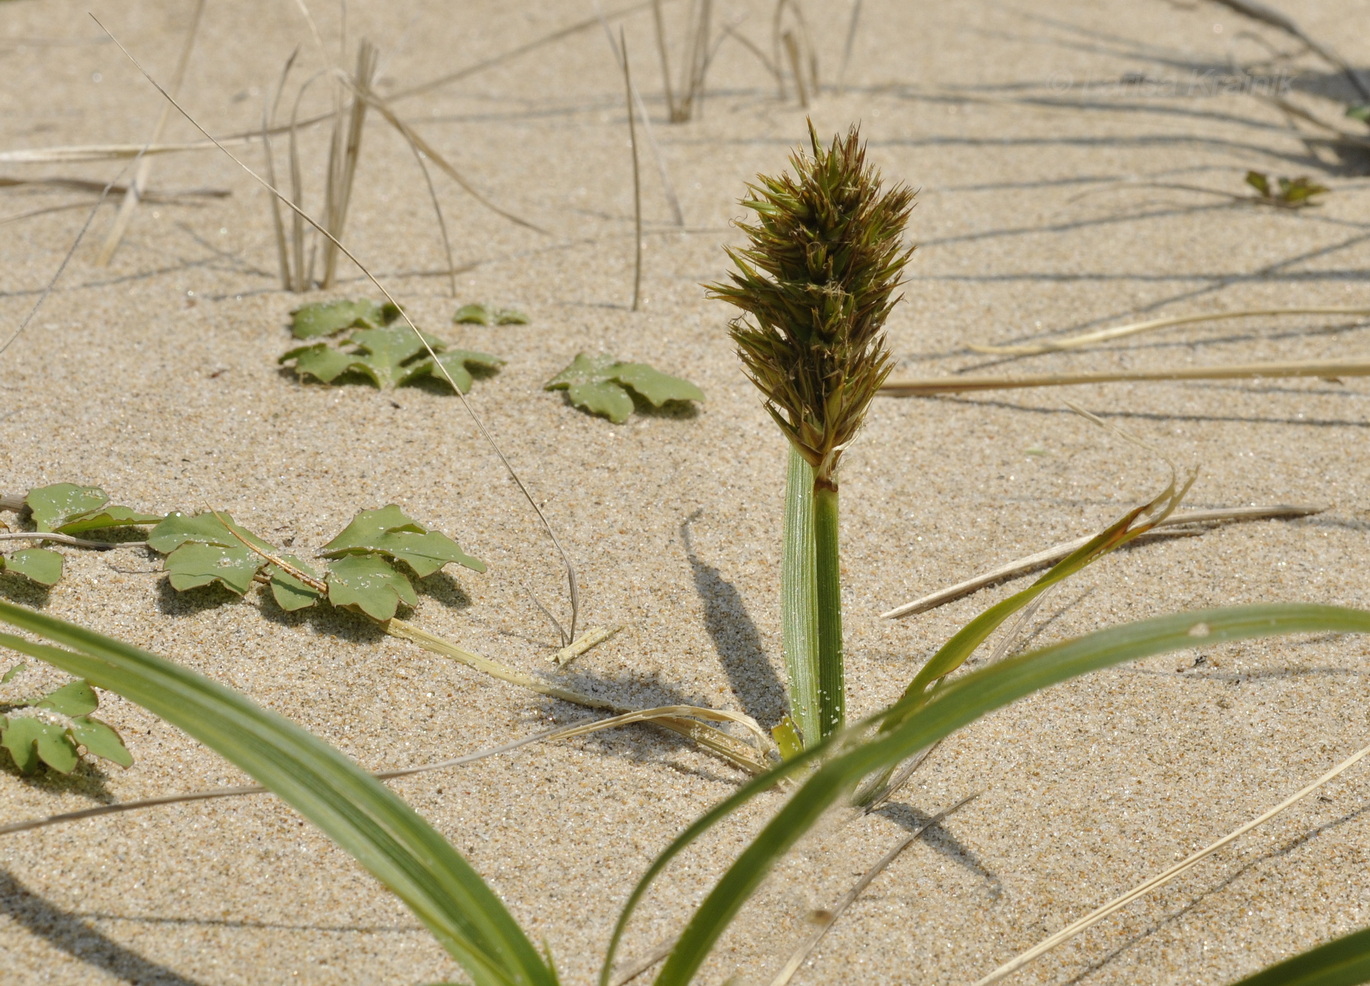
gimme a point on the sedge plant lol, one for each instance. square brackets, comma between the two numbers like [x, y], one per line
[815, 284]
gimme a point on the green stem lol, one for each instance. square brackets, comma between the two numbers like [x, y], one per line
[832, 689]
[798, 600]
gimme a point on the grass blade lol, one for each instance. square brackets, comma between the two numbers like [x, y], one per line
[354, 809]
[957, 704]
[1341, 962]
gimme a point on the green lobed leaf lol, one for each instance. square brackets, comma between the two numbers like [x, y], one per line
[351, 807]
[201, 550]
[600, 384]
[369, 584]
[955, 705]
[320, 361]
[1343, 961]
[109, 517]
[324, 318]
[289, 592]
[100, 740]
[455, 362]
[52, 506]
[474, 314]
[19, 735]
[478, 314]
[75, 698]
[40, 565]
[389, 531]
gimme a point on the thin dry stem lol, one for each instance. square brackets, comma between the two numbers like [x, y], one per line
[1089, 920]
[557, 732]
[835, 912]
[1043, 559]
[1327, 368]
[140, 175]
[1133, 328]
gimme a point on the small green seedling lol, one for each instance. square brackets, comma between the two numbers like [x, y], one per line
[375, 557]
[479, 314]
[1360, 112]
[388, 356]
[1292, 193]
[601, 385]
[51, 729]
[325, 318]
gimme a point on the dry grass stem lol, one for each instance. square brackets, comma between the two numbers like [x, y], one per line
[556, 732]
[1326, 368]
[1134, 328]
[590, 638]
[1094, 917]
[140, 175]
[831, 916]
[1187, 523]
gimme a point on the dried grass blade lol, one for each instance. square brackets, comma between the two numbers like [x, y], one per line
[1041, 559]
[1118, 331]
[835, 912]
[1094, 917]
[1239, 371]
[135, 188]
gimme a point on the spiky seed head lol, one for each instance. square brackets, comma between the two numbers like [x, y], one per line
[815, 285]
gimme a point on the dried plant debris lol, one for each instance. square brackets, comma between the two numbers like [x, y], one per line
[479, 314]
[605, 386]
[375, 560]
[1288, 193]
[53, 729]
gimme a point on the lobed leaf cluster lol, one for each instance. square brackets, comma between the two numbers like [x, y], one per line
[380, 349]
[374, 561]
[605, 386]
[54, 728]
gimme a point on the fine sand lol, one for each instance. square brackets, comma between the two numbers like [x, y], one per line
[1038, 135]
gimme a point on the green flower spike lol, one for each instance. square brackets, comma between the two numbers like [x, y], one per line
[815, 285]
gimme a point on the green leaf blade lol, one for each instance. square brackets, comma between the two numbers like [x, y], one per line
[1343, 961]
[354, 809]
[955, 705]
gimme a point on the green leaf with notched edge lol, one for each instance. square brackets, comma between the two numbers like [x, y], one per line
[455, 362]
[324, 318]
[320, 361]
[601, 385]
[70, 509]
[390, 532]
[36, 564]
[53, 506]
[75, 698]
[200, 550]
[289, 592]
[369, 584]
[479, 314]
[30, 740]
[101, 741]
[387, 356]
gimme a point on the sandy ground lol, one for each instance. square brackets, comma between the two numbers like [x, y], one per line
[1038, 135]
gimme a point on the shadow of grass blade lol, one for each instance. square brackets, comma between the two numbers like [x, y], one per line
[1341, 962]
[354, 809]
[957, 704]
